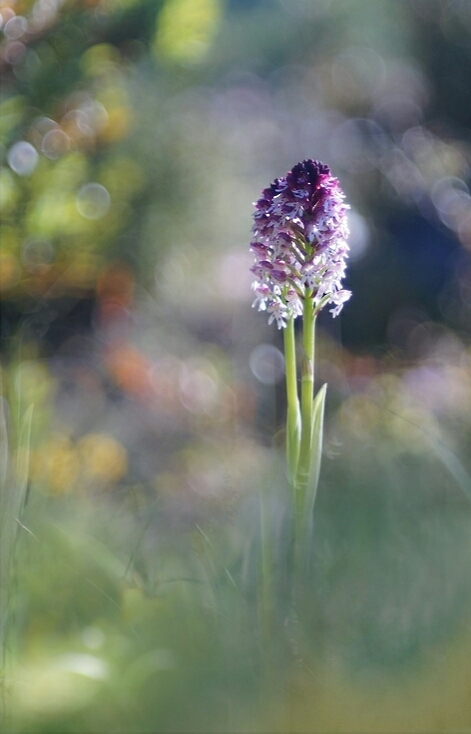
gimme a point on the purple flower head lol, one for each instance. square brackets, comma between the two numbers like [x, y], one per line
[300, 243]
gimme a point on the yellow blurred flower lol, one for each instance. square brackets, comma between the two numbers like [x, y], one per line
[55, 465]
[118, 124]
[103, 458]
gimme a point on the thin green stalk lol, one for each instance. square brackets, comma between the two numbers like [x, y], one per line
[293, 425]
[303, 472]
[307, 396]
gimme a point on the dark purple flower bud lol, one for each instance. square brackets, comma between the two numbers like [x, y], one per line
[259, 249]
[279, 276]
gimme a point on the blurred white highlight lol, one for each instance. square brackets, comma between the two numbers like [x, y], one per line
[93, 201]
[23, 158]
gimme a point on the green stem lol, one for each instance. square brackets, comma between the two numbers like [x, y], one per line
[304, 467]
[307, 395]
[293, 425]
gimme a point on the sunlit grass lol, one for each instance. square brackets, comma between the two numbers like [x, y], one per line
[137, 608]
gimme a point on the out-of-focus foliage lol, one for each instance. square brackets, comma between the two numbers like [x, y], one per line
[137, 595]
[142, 397]
[186, 29]
[67, 189]
[139, 130]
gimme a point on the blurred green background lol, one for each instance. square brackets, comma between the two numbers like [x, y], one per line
[143, 399]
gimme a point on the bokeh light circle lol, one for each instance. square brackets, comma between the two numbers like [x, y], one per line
[55, 143]
[23, 158]
[360, 235]
[15, 27]
[93, 201]
[37, 255]
[267, 364]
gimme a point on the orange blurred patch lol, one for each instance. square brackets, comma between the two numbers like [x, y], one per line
[10, 271]
[116, 284]
[130, 370]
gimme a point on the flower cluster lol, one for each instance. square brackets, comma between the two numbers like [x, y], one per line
[299, 243]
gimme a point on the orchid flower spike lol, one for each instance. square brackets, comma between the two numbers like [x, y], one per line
[300, 243]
